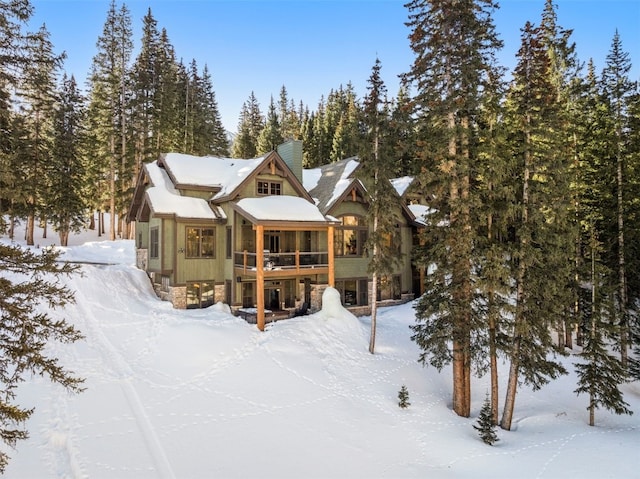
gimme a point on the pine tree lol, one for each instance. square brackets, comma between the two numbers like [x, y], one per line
[168, 103]
[403, 397]
[68, 180]
[402, 136]
[600, 374]
[215, 141]
[454, 44]
[617, 91]
[108, 106]
[270, 136]
[290, 120]
[376, 156]
[563, 73]
[37, 99]
[25, 332]
[145, 84]
[486, 426]
[346, 133]
[250, 125]
[539, 221]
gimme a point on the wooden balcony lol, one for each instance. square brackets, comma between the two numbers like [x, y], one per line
[282, 264]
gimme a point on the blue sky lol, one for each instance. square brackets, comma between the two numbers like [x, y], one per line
[313, 46]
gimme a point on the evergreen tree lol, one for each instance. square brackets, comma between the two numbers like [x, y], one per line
[539, 221]
[494, 170]
[402, 136]
[403, 397]
[145, 83]
[376, 156]
[600, 374]
[13, 58]
[270, 136]
[214, 141]
[346, 133]
[617, 91]
[486, 427]
[454, 43]
[288, 117]
[168, 103]
[245, 144]
[26, 333]
[108, 101]
[37, 98]
[68, 181]
[563, 74]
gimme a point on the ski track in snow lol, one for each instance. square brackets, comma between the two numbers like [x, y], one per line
[116, 364]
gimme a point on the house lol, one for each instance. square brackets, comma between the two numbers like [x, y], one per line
[260, 235]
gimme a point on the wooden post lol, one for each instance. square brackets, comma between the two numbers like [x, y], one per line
[260, 276]
[332, 270]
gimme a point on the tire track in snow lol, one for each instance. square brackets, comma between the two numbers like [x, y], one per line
[122, 370]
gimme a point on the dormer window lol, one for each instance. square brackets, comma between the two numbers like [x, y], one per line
[269, 188]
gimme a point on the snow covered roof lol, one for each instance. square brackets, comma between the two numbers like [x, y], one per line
[164, 199]
[401, 184]
[221, 174]
[327, 183]
[280, 208]
[421, 212]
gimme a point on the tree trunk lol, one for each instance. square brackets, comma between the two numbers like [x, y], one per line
[512, 387]
[31, 220]
[374, 308]
[622, 275]
[592, 329]
[112, 191]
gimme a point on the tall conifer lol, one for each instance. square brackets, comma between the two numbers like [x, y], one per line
[108, 107]
[454, 43]
[68, 180]
[618, 90]
[376, 155]
[539, 221]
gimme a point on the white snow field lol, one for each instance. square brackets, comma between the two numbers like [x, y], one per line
[202, 394]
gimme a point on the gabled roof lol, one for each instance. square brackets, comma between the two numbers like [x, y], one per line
[328, 184]
[280, 209]
[161, 198]
[220, 175]
[402, 184]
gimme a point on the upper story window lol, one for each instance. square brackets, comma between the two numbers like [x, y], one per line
[201, 243]
[350, 237]
[269, 187]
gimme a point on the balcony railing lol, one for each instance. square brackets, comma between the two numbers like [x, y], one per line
[282, 261]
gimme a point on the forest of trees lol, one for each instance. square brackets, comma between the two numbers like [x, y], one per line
[532, 177]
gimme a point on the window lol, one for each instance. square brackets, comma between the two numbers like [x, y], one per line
[353, 292]
[351, 237]
[269, 187]
[229, 242]
[201, 243]
[389, 287]
[154, 241]
[200, 294]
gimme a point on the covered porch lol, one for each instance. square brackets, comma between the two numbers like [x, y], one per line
[279, 252]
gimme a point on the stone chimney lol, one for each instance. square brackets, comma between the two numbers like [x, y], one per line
[291, 153]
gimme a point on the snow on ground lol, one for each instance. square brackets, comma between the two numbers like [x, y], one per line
[202, 394]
